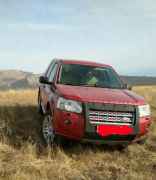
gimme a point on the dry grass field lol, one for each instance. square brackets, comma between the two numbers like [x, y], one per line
[22, 156]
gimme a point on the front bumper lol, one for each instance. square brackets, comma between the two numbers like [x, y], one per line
[78, 127]
[144, 124]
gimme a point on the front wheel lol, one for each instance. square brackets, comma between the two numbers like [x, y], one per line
[48, 130]
[50, 138]
[142, 141]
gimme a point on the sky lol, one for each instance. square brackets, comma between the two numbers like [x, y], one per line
[121, 33]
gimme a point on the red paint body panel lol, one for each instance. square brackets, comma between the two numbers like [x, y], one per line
[144, 124]
[87, 63]
[100, 95]
[74, 130]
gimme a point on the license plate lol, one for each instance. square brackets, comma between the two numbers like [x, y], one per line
[107, 130]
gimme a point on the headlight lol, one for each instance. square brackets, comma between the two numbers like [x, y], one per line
[69, 105]
[144, 110]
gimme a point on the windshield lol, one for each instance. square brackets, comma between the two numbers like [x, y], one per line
[83, 75]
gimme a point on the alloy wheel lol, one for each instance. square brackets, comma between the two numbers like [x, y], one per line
[48, 130]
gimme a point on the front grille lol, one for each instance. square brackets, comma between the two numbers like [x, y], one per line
[108, 117]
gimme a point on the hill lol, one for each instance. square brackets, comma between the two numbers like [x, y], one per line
[13, 79]
[139, 80]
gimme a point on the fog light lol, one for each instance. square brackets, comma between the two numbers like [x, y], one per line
[67, 122]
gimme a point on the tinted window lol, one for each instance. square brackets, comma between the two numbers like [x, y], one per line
[50, 69]
[82, 75]
[53, 72]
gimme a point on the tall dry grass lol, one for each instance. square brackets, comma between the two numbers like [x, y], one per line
[22, 156]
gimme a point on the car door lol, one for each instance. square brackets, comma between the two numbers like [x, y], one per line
[48, 92]
[43, 86]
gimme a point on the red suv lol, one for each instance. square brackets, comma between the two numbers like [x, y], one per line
[88, 101]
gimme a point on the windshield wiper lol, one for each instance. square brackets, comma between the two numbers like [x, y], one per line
[69, 84]
[99, 86]
[89, 85]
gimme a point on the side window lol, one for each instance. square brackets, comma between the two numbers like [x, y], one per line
[53, 72]
[50, 69]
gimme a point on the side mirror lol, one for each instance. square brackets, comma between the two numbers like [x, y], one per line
[44, 80]
[127, 86]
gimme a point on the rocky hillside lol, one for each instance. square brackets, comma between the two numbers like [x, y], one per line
[13, 79]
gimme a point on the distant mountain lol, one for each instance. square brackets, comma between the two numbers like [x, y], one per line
[139, 80]
[13, 79]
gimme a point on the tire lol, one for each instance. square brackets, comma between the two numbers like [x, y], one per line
[122, 147]
[49, 137]
[48, 132]
[142, 141]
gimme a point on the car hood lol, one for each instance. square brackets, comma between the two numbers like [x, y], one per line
[100, 95]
